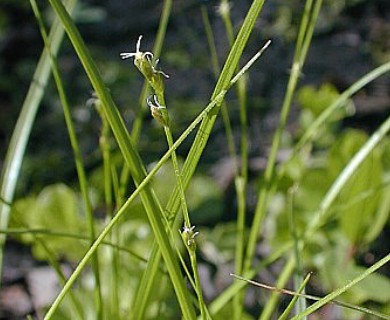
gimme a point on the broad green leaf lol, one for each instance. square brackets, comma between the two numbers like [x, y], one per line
[56, 208]
[356, 210]
[381, 217]
[343, 150]
[21, 216]
[317, 100]
[314, 102]
[312, 188]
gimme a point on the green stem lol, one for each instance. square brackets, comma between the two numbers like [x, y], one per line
[241, 177]
[284, 276]
[229, 293]
[298, 245]
[198, 286]
[51, 259]
[72, 236]
[190, 165]
[127, 204]
[137, 125]
[135, 164]
[306, 32]
[77, 156]
[187, 223]
[183, 202]
[108, 183]
[345, 175]
[216, 71]
[17, 146]
[338, 292]
[294, 300]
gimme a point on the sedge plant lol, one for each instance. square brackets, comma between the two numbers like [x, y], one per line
[164, 257]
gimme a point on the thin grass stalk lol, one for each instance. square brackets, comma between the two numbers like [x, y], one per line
[52, 261]
[303, 27]
[189, 242]
[76, 273]
[241, 176]
[198, 286]
[222, 83]
[346, 174]
[76, 153]
[216, 71]
[310, 132]
[230, 292]
[294, 300]
[159, 111]
[208, 122]
[341, 100]
[52, 233]
[107, 164]
[76, 306]
[314, 298]
[187, 226]
[108, 199]
[224, 11]
[297, 247]
[309, 31]
[284, 276]
[115, 185]
[17, 147]
[328, 298]
[137, 125]
[269, 171]
[132, 158]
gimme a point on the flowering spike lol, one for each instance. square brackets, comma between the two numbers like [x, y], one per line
[188, 236]
[155, 109]
[144, 62]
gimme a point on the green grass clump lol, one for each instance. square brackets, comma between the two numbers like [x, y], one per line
[327, 197]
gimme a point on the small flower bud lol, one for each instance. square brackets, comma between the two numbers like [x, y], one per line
[144, 63]
[188, 236]
[156, 110]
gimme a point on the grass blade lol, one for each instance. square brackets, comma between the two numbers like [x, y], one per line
[15, 153]
[77, 156]
[305, 32]
[153, 209]
[294, 300]
[347, 173]
[343, 289]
